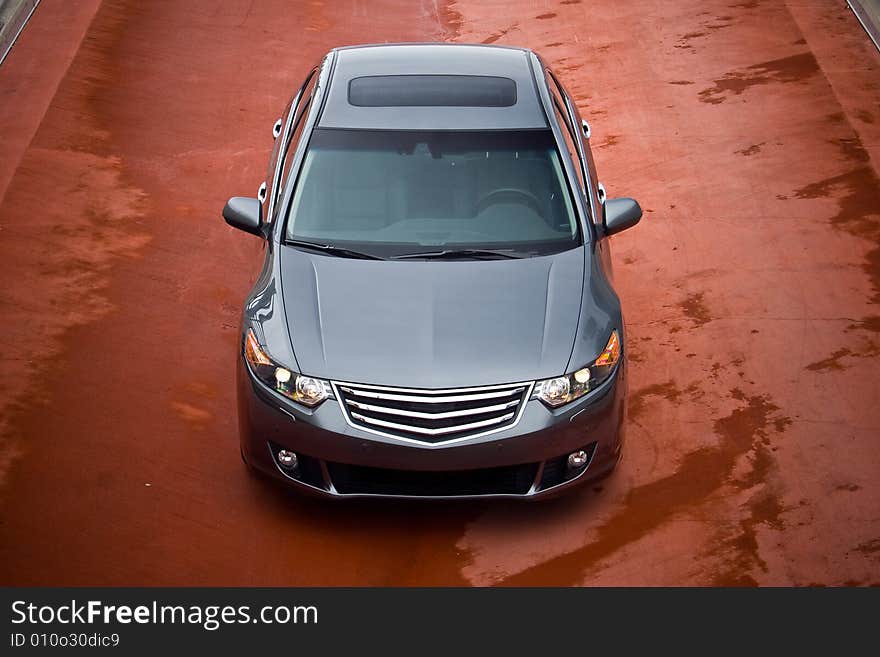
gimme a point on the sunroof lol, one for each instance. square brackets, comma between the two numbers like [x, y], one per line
[432, 91]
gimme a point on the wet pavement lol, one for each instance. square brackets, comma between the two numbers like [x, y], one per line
[751, 135]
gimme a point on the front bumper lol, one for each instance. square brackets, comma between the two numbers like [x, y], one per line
[338, 460]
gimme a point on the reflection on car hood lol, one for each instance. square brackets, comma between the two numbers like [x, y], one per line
[430, 324]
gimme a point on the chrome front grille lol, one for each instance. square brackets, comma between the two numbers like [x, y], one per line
[432, 416]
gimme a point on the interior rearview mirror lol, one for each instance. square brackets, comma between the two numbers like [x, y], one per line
[620, 214]
[244, 213]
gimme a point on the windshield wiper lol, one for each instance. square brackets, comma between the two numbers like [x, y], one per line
[335, 250]
[488, 254]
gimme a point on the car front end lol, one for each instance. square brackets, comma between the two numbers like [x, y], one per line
[362, 440]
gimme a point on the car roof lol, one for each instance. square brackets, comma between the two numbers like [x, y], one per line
[413, 59]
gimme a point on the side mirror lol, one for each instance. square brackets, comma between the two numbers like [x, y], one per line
[245, 214]
[620, 214]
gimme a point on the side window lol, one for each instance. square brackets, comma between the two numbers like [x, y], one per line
[266, 187]
[567, 107]
[299, 104]
[569, 140]
[292, 145]
[594, 183]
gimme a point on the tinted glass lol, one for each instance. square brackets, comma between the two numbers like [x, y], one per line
[280, 160]
[559, 93]
[291, 146]
[432, 91]
[392, 192]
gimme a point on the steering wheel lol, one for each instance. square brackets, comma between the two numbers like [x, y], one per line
[510, 194]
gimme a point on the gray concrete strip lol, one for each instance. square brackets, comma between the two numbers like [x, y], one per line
[31, 74]
[14, 15]
[868, 13]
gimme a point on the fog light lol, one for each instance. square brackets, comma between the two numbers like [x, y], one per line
[577, 460]
[288, 459]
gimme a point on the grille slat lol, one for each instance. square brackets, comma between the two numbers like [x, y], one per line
[428, 398]
[432, 416]
[432, 432]
[388, 410]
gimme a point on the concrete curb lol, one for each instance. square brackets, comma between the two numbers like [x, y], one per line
[868, 13]
[14, 15]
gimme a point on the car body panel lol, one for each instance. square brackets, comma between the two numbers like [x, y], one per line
[453, 324]
[600, 314]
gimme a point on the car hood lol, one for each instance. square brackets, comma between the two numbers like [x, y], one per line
[432, 324]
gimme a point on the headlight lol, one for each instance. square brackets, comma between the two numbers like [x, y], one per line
[564, 389]
[303, 389]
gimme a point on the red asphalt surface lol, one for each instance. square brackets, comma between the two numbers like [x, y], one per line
[749, 131]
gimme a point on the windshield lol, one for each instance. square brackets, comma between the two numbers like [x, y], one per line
[393, 192]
